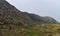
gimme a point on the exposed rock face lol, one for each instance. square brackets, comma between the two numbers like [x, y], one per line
[49, 19]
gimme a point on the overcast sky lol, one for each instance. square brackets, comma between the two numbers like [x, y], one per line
[40, 7]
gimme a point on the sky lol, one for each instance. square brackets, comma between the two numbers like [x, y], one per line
[40, 7]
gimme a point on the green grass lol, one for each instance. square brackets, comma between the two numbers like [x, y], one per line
[42, 30]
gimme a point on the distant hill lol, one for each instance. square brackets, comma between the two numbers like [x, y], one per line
[10, 15]
[42, 19]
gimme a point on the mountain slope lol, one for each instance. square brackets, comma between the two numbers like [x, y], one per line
[10, 15]
[41, 19]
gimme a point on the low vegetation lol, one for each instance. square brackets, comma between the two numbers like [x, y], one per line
[42, 30]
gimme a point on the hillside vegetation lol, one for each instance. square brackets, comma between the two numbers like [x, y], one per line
[42, 30]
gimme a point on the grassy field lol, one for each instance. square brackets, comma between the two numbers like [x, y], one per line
[41, 30]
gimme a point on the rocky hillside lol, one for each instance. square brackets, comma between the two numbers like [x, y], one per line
[10, 15]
